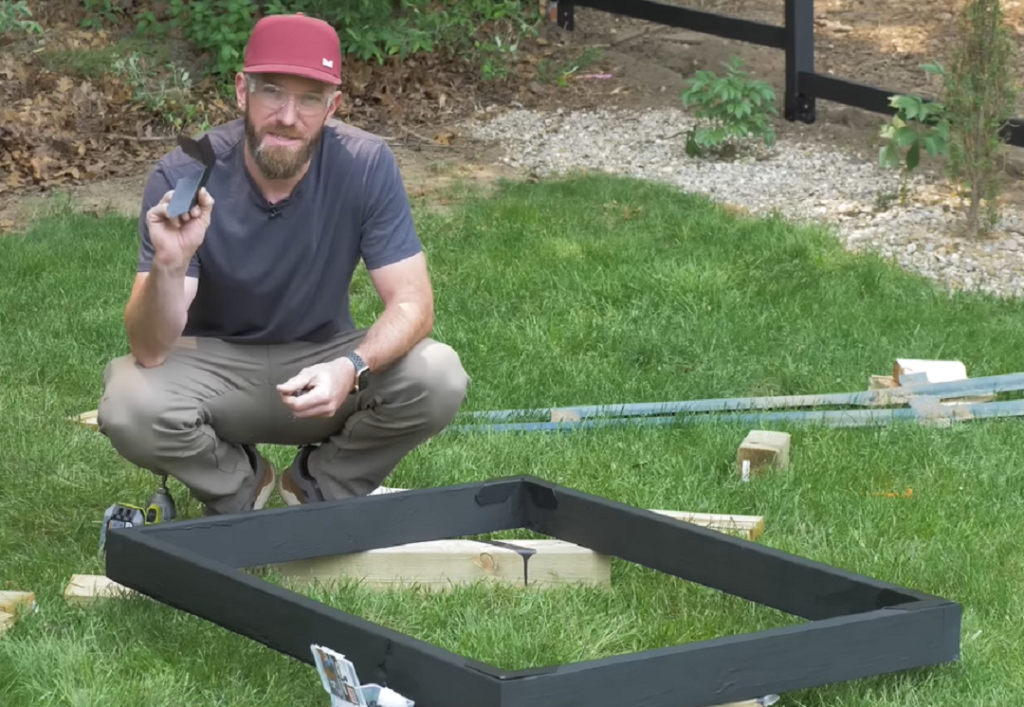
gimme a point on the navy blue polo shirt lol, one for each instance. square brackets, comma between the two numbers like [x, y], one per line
[274, 273]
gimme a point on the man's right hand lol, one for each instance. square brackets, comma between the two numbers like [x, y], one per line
[176, 240]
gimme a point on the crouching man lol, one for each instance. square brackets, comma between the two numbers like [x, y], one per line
[239, 319]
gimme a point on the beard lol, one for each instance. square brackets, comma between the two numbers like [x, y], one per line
[279, 162]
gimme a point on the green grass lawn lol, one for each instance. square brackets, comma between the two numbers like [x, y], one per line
[552, 297]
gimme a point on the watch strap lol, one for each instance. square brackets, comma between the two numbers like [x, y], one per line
[362, 370]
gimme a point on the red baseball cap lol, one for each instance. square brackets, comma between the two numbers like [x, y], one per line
[294, 44]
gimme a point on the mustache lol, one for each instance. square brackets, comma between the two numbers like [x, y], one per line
[285, 133]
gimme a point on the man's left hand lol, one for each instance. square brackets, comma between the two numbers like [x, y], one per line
[320, 390]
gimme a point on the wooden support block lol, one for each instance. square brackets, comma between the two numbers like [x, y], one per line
[440, 564]
[749, 527]
[86, 419]
[881, 382]
[86, 588]
[13, 602]
[7, 621]
[762, 450]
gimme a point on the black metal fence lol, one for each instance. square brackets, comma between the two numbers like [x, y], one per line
[796, 38]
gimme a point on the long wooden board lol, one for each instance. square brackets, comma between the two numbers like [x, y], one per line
[748, 527]
[442, 564]
[899, 396]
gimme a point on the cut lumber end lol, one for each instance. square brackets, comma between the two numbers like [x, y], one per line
[7, 622]
[882, 382]
[564, 416]
[762, 450]
[86, 588]
[748, 527]
[86, 419]
[15, 602]
[441, 564]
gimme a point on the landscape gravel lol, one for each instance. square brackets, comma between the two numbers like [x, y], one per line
[800, 179]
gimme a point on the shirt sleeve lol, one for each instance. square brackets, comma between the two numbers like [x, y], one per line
[388, 233]
[157, 185]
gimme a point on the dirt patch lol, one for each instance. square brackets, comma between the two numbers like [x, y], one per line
[435, 176]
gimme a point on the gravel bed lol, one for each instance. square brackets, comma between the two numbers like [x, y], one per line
[801, 180]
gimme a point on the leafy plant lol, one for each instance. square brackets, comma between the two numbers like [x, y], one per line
[99, 13]
[15, 17]
[370, 30]
[221, 27]
[981, 94]
[734, 106]
[917, 125]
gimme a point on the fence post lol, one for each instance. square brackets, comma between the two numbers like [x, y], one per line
[799, 57]
[561, 13]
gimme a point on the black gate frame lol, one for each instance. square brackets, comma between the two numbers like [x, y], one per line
[856, 626]
[796, 37]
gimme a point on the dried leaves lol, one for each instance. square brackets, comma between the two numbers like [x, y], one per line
[53, 127]
[58, 128]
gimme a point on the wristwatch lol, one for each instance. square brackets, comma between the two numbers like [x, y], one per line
[362, 371]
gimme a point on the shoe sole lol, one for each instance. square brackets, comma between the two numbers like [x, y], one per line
[267, 490]
[289, 498]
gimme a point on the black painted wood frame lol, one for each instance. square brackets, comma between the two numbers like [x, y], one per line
[856, 626]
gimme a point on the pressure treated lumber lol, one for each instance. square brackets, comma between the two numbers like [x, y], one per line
[84, 589]
[762, 450]
[878, 398]
[441, 564]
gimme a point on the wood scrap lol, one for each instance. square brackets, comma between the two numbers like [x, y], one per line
[83, 589]
[12, 605]
[762, 450]
[877, 382]
[86, 419]
[7, 622]
[13, 602]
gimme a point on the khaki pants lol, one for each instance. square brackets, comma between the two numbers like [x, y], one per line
[188, 417]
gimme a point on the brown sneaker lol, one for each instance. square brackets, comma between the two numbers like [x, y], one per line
[266, 486]
[296, 485]
[268, 476]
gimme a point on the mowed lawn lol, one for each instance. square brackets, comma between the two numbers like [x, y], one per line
[584, 291]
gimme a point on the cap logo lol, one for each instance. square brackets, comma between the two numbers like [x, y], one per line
[328, 63]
